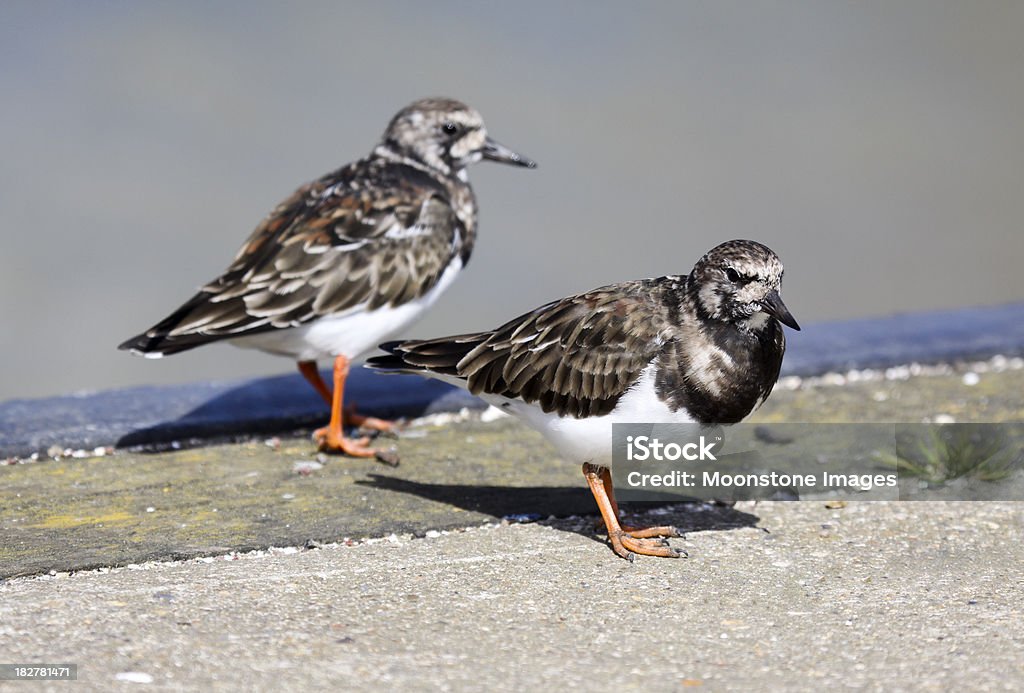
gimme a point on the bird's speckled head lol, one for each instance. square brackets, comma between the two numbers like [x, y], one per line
[446, 135]
[739, 282]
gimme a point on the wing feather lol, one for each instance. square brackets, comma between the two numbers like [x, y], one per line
[335, 245]
[575, 357]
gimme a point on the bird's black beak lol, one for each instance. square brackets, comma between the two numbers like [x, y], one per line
[499, 152]
[773, 305]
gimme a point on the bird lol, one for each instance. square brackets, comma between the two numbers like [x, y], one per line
[348, 260]
[705, 348]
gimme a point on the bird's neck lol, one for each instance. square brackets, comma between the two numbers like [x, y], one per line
[716, 369]
[435, 166]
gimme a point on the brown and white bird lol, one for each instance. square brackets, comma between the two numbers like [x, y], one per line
[702, 348]
[348, 260]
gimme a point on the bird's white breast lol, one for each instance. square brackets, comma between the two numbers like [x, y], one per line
[590, 439]
[353, 333]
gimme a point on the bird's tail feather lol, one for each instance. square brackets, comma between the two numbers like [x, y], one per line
[441, 356]
[156, 341]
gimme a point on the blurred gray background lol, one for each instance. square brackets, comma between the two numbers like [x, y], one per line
[877, 146]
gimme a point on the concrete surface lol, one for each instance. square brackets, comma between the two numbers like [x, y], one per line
[797, 596]
[873, 596]
[78, 514]
[73, 514]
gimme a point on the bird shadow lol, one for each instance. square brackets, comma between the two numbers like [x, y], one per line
[553, 505]
[216, 413]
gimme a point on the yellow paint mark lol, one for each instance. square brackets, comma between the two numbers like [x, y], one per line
[68, 521]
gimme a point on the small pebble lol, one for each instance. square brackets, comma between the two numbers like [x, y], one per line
[306, 467]
[388, 457]
[767, 434]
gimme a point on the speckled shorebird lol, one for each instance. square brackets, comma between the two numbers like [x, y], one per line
[350, 259]
[706, 348]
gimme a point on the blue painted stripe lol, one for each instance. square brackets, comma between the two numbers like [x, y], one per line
[934, 337]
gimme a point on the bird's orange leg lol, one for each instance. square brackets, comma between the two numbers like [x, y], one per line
[332, 438]
[638, 532]
[311, 373]
[623, 543]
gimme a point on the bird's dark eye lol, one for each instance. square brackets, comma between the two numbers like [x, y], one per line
[731, 274]
[451, 128]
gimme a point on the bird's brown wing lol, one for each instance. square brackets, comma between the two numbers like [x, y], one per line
[336, 244]
[575, 357]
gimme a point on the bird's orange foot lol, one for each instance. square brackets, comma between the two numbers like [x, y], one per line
[627, 544]
[644, 532]
[369, 423]
[648, 532]
[330, 441]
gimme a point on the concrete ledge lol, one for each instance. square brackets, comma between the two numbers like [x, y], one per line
[130, 507]
[154, 417]
[157, 416]
[933, 337]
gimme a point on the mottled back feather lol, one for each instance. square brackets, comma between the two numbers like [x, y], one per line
[575, 357]
[372, 234]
